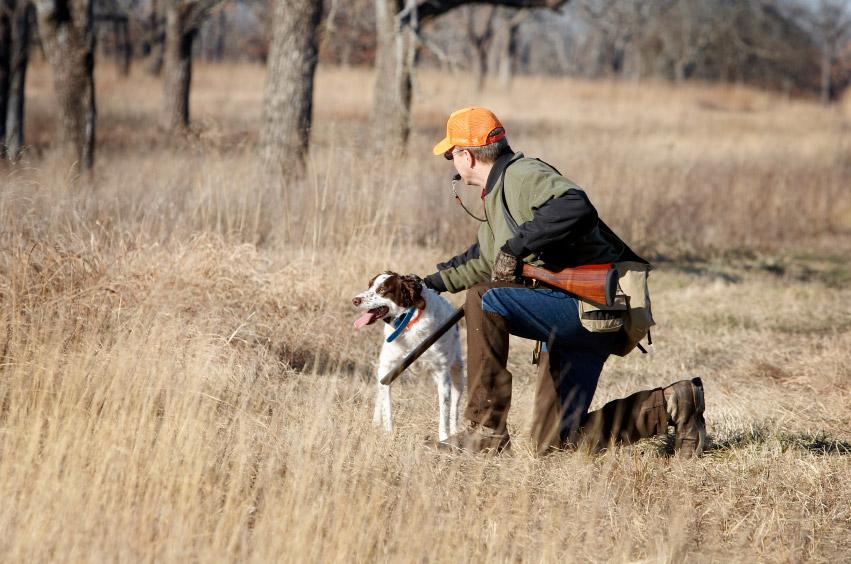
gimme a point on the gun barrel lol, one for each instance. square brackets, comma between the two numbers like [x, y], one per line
[409, 359]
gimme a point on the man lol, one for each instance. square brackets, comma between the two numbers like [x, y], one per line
[533, 214]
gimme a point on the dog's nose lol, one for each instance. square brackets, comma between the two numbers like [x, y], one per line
[357, 301]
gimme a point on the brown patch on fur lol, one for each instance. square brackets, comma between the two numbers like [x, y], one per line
[413, 290]
[405, 291]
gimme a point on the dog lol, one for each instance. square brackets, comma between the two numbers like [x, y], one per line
[411, 312]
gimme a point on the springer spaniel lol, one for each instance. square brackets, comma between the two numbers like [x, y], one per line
[411, 312]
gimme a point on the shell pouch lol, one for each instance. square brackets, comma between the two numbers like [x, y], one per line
[603, 319]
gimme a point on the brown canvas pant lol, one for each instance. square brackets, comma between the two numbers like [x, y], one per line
[628, 419]
[488, 379]
[623, 420]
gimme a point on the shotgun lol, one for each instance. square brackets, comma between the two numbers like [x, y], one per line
[596, 283]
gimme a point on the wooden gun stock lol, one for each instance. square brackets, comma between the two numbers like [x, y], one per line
[594, 283]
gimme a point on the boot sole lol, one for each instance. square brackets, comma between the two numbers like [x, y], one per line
[489, 451]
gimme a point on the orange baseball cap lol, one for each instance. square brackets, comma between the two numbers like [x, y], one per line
[470, 127]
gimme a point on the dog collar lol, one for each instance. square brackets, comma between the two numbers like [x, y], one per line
[403, 322]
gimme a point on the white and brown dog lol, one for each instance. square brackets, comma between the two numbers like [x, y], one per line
[411, 313]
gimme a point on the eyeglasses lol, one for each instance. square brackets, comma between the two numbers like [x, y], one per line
[450, 155]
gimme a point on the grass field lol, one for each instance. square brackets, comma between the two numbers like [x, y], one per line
[179, 379]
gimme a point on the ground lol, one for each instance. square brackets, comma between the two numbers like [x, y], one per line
[179, 377]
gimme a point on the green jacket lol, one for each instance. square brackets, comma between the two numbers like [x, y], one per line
[558, 226]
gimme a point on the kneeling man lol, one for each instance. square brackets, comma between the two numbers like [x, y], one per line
[534, 214]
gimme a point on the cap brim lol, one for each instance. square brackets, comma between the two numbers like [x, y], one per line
[444, 145]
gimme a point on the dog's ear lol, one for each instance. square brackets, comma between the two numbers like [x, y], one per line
[374, 278]
[412, 292]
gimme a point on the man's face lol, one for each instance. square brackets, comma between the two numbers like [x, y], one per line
[463, 162]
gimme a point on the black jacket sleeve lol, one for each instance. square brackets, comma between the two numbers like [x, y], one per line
[468, 255]
[561, 219]
[435, 282]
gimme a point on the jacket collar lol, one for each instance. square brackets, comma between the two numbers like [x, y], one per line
[499, 167]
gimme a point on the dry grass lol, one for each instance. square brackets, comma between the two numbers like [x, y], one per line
[178, 377]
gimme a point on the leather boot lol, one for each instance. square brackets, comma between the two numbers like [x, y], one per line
[475, 438]
[684, 404]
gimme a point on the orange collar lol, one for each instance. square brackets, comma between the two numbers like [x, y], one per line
[415, 319]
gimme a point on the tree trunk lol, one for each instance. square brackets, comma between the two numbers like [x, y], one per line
[826, 78]
[480, 42]
[509, 54]
[65, 28]
[154, 38]
[221, 35]
[393, 82]
[183, 19]
[22, 19]
[288, 103]
[123, 49]
[177, 55]
[6, 18]
[480, 66]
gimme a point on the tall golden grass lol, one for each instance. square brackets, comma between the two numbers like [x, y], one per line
[179, 380]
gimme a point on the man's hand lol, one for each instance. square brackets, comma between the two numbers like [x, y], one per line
[434, 282]
[506, 268]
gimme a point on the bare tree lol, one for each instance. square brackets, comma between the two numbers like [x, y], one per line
[348, 34]
[508, 50]
[22, 16]
[397, 29]
[123, 47]
[6, 9]
[288, 104]
[394, 58]
[831, 24]
[218, 47]
[67, 36]
[183, 18]
[480, 36]
[113, 20]
[211, 40]
[754, 41]
[621, 32]
[154, 37]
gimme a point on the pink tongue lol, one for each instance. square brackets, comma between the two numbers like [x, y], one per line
[365, 319]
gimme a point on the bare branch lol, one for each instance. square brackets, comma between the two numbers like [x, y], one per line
[517, 18]
[428, 9]
[196, 11]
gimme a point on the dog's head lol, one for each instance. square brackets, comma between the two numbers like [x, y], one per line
[389, 294]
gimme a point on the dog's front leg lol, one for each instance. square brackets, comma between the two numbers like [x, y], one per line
[444, 422]
[382, 413]
[456, 373]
